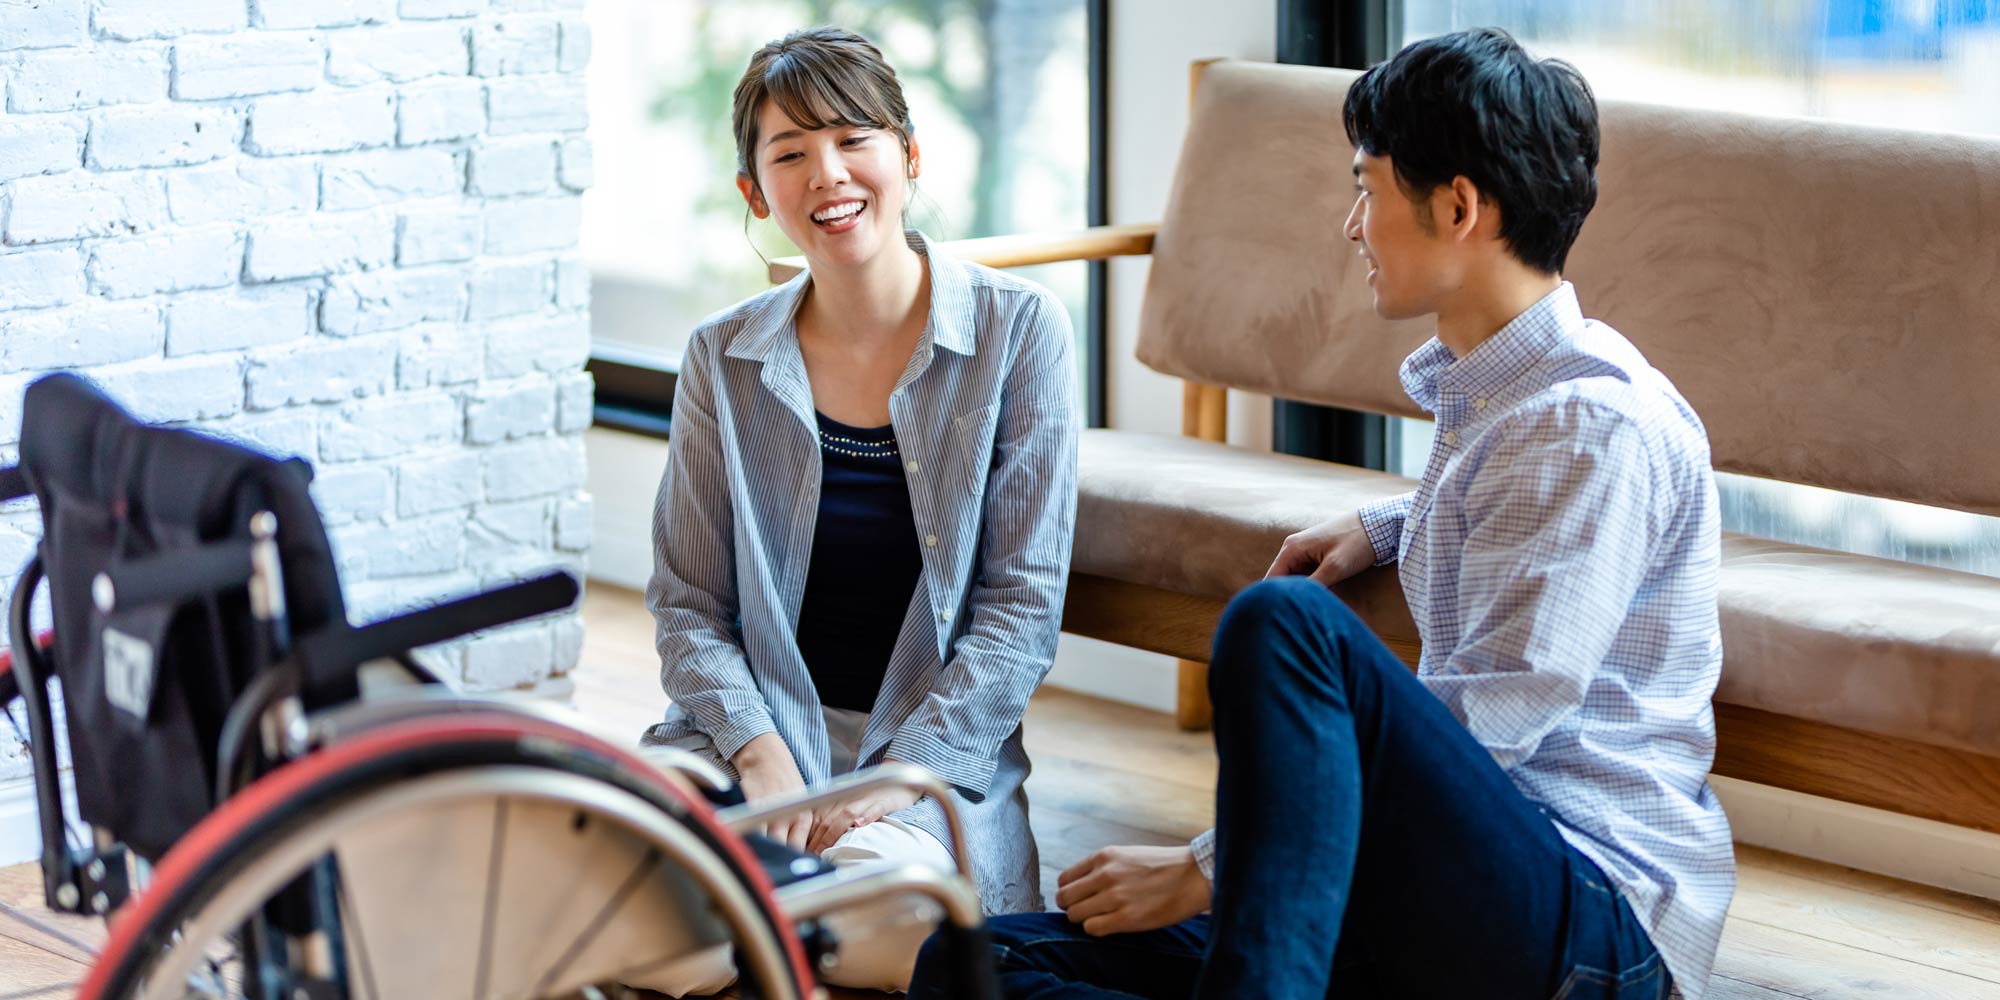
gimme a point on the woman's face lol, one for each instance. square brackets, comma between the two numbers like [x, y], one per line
[837, 192]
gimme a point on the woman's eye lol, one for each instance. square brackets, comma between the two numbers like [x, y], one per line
[788, 157]
[854, 140]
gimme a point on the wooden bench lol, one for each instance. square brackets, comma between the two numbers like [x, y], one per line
[1823, 294]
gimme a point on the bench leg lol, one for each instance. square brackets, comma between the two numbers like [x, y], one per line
[1191, 707]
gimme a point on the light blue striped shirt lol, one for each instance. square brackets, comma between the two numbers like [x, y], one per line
[1559, 557]
[986, 418]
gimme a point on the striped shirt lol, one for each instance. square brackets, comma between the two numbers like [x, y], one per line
[1559, 557]
[986, 418]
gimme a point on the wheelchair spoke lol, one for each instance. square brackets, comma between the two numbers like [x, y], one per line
[640, 873]
[350, 923]
[492, 899]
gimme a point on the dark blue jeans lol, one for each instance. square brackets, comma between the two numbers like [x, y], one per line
[1366, 846]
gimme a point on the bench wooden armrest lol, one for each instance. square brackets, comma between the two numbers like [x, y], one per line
[1023, 249]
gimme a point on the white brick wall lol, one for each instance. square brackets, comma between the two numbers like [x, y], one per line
[342, 229]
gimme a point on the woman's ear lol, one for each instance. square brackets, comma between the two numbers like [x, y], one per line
[753, 197]
[916, 159]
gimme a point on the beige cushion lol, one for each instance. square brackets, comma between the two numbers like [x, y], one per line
[1827, 296]
[1870, 644]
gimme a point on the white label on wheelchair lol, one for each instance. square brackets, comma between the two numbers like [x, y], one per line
[128, 672]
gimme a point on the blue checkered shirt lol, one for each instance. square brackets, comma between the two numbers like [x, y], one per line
[1559, 557]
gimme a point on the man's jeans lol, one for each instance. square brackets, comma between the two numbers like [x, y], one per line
[1367, 846]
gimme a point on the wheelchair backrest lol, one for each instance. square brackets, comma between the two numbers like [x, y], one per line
[146, 688]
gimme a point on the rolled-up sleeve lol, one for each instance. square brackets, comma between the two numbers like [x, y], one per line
[1383, 520]
[692, 593]
[1015, 603]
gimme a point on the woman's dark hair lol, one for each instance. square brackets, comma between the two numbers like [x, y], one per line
[818, 77]
[1475, 104]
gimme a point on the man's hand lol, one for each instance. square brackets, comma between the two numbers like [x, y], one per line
[1120, 890]
[1329, 552]
[833, 823]
[766, 769]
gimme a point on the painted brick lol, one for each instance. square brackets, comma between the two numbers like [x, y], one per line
[80, 336]
[319, 13]
[68, 80]
[579, 166]
[431, 484]
[509, 289]
[439, 354]
[364, 180]
[317, 370]
[11, 389]
[503, 531]
[320, 244]
[244, 66]
[43, 24]
[399, 54]
[572, 283]
[31, 279]
[435, 235]
[515, 105]
[405, 548]
[514, 46]
[525, 225]
[38, 146]
[423, 9]
[568, 634]
[575, 45]
[575, 396]
[347, 493]
[501, 413]
[121, 138]
[176, 390]
[243, 188]
[130, 19]
[391, 300]
[532, 468]
[281, 434]
[525, 6]
[321, 123]
[436, 111]
[510, 658]
[387, 426]
[239, 319]
[518, 167]
[573, 524]
[175, 262]
[77, 205]
[540, 343]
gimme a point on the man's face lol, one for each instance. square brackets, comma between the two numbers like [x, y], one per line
[1409, 261]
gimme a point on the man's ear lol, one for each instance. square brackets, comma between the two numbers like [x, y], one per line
[1461, 210]
[753, 197]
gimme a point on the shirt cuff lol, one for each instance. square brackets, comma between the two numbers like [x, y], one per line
[1204, 855]
[1383, 520]
[729, 719]
[969, 773]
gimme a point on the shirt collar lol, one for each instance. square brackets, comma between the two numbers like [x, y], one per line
[949, 325]
[1432, 371]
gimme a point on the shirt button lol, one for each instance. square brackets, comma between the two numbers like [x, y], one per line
[1479, 404]
[914, 465]
[944, 616]
[930, 540]
[1451, 438]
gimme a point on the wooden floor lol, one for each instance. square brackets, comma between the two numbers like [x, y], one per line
[1108, 773]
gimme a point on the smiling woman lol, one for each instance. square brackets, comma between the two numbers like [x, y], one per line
[862, 534]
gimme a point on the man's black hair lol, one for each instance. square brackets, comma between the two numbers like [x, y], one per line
[1475, 104]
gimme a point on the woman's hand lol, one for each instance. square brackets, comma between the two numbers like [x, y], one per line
[765, 769]
[833, 822]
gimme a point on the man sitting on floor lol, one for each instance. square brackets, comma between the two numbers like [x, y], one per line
[1527, 816]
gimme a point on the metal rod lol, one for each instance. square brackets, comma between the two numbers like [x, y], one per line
[856, 884]
[847, 786]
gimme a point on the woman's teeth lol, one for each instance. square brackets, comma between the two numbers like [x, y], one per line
[839, 213]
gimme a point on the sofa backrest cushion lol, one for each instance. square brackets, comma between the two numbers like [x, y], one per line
[1827, 296]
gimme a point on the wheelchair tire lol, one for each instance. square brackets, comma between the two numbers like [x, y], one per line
[282, 825]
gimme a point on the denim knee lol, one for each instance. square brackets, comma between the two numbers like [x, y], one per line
[1281, 610]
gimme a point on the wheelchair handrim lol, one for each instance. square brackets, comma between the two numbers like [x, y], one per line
[182, 875]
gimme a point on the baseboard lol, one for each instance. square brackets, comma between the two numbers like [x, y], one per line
[1873, 840]
[20, 822]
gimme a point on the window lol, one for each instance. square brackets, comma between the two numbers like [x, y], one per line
[1906, 63]
[1000, 93]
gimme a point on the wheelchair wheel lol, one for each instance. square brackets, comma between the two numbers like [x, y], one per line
[456, 855]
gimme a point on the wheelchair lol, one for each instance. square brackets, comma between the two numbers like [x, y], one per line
[277, 805]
